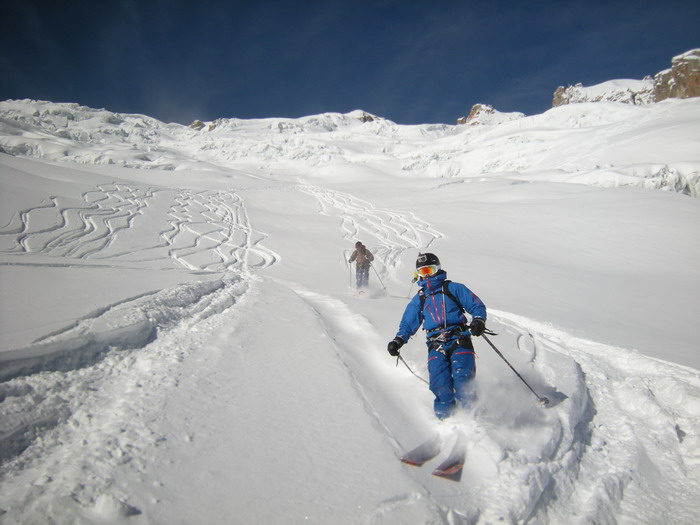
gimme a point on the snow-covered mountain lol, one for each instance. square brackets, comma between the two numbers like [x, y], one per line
[590, 144]
[627, 91]
[182, 343]
[681, 80]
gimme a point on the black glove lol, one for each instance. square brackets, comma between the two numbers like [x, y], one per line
[477, 327]
[394, 345]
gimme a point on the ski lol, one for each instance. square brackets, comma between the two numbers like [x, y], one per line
[423, 452]
[451, 467]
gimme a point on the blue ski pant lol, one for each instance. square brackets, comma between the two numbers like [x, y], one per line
[451, 367]
[362, 276]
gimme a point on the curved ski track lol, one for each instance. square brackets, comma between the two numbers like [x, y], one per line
[201, 230]
[390, 233]
[577, 458]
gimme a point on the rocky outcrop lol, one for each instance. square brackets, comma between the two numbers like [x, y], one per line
[197, 125]
[366, 117]
[485, 114]
[681, 81]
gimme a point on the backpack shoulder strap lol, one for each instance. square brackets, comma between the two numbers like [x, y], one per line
[446, 291]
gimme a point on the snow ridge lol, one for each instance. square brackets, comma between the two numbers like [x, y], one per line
[604, 131]
[88, 407]
[129, 324]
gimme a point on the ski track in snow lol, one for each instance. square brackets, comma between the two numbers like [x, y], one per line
[95, 415]
[546, 465]
[600, 447]
[203, 231]
[391, 232]
[570, 463]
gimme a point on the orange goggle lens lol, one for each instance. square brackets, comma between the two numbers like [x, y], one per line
[424, 271]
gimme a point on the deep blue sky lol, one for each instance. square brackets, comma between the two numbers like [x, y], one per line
[410, 61]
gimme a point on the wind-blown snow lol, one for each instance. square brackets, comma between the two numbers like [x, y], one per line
[181, 342]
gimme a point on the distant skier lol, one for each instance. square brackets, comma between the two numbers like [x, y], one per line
[440, 307]
[363, 258]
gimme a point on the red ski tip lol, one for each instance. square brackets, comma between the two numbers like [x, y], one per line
[412, 462]
[448, 471]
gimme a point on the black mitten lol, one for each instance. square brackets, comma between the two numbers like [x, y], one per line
[477, 327]
[394, 346]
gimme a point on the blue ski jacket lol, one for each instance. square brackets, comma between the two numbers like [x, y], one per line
[439, 312]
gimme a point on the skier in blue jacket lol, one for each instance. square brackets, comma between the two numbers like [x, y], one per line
[440, 307]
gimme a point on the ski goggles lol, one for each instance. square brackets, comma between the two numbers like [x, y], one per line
[426, 271]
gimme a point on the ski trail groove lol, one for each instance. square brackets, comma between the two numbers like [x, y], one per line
[206, 231]
[611, 396]
[391, 233]
[48, 391]
[559, 457]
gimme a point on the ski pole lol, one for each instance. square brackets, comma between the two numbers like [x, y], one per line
[345, 257]
[380, 279]
[398, 357]
[542, 400]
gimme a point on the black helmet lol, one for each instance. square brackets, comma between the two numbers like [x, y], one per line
[427, 259]
[358, 244]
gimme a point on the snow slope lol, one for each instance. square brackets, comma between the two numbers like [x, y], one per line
[181, 342]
